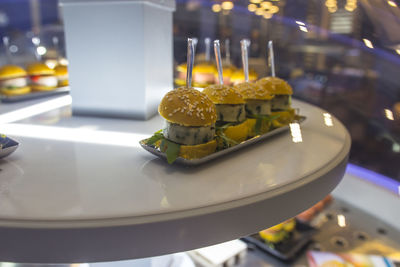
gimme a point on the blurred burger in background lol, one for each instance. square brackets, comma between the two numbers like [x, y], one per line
[13, 80]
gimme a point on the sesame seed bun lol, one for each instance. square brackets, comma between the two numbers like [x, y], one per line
[275, 86]
[223, 94]
[252, 91]
[38, 68]
[11, 71]
[61, 70]
[188, 107]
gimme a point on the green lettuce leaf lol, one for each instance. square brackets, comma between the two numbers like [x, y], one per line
[156, 136]
[171, 149]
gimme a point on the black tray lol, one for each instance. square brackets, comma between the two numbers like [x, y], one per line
[289, 248]
[7, 146]
[34, 95]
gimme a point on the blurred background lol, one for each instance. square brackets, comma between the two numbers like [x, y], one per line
[342, 55]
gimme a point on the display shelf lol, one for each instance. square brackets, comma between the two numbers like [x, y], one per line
[34, 95]
[82, 189]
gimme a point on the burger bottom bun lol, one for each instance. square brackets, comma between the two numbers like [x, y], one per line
[237, 133]
[265, 126]
[36, 87]
[285, 117]
[198, 151]
[63, 83]
[16, 91]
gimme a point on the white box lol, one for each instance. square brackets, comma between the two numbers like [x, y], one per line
[120, 55]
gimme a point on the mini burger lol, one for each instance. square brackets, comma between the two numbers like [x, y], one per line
[204, 74]
[61, 72]
[274, 234]
[279, 232]
[238, 77]
[231, 114]
[189, 130]
[227, 73]
[281, 103]
[42, 77]
[258, 107]
[181, 74]
[13, 80]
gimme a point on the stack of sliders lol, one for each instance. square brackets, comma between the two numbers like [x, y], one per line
[278, 233]
[258, 99]
[181, 70]
[238, 77]
[190, 117]
[281, 92]
[61, 73]
[231, 115]
[201, 123]
[204, 72]
[13, 81]
[42, 78]
[281, 101]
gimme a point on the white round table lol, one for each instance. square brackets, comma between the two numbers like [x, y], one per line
[82, 189]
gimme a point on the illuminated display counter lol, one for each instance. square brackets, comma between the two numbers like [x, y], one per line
[85, 186]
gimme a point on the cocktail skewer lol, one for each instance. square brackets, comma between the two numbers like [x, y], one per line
[271, 60]
[6, 42]
[190, 60]
[227, 52]
[217, 51]
[245, 58]
[207, 43]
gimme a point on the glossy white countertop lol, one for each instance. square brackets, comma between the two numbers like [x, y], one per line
[47, 179]
[72, 172]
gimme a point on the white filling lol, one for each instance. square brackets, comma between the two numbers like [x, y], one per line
[258, 107]
[62, 77]
[230, 113]
[46, 81]
[187, 135]
[16, 82]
